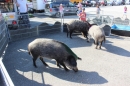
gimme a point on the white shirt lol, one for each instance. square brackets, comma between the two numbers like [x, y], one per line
[23, 6]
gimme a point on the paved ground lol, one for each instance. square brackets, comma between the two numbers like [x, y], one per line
[106, 67]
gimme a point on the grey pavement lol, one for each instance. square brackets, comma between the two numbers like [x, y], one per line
[106, 67]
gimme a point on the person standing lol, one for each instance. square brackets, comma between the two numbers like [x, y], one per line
[82, 15]
[98, 11]
[23, 13]
[78, 12]
[125, 12]
[61, 10]
[23, 7]
[79, 5]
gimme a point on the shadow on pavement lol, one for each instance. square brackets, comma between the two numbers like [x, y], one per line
[81, 76]
[114, 37]
[115, 49]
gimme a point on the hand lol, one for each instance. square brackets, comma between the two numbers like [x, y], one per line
[17, 4]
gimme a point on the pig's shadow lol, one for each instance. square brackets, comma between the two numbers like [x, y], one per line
[115, 49]
[81, 76]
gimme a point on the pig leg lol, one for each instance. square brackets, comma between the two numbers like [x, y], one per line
[67, 33]
[87, 39]
[58, 64]
[34, 59]
[64, 66]
[96, 42]
[100, 45]
[71, 34]
[34, 62]
[43, 61]
[85, 34]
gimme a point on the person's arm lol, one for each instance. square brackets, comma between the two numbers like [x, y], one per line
[79, 14]
[17, 4]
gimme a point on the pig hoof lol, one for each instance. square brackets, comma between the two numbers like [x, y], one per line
[75, 70]
[66, 70]
[46, 65]
[59, 66]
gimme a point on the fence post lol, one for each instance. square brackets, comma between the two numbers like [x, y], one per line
[112, 20]
[62, 20]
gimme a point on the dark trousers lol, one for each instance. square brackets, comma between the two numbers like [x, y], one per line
[24, 13]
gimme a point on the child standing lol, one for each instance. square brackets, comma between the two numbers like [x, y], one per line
[125, 12]
[61, 10]
[98, 11]
[82, 15]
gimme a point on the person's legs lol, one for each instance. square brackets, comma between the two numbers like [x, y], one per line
[98, 15]
[25, 14]
[125, 14]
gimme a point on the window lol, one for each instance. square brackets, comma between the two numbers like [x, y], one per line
[71, 4]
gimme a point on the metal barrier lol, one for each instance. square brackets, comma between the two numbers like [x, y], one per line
[106, 17]
[92, 17]
[4, 36]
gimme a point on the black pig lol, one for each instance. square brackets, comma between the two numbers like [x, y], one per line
[52, 49]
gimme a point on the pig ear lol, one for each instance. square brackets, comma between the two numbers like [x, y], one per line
[79, 58]
[69, 58]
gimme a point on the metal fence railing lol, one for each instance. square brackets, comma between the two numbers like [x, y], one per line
[99, 19]
[107, 18]
[4, 36]
[4, 39]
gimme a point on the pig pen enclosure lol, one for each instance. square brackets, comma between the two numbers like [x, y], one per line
[108, 66]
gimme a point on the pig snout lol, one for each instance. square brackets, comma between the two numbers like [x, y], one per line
[71, 63]
[75, 69]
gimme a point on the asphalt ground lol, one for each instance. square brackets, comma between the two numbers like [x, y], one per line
[109, 66]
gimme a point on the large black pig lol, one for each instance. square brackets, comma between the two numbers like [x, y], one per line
[77, 25]
[53, 49]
